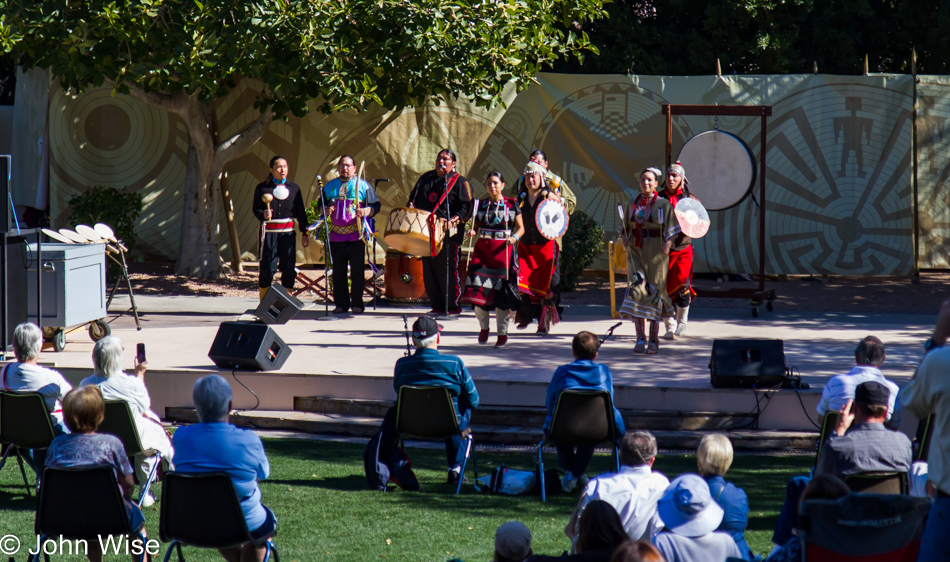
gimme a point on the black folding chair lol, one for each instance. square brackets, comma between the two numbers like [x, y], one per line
[120, 422]
[24, 424]
[82, 504]
[582, 418]
[827, 426]
[893, 483]
[428, 413]
[203, 510]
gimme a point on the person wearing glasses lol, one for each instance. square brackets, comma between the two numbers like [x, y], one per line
[347, 198]
[445, 193]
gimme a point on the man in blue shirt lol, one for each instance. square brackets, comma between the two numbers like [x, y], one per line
[428, 367]
[583, 374]
[346, 198]
[214, 445]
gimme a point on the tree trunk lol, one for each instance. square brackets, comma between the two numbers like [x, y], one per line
[235, 241]
[198, 252]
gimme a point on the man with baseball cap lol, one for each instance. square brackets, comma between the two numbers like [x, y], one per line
[867, 446]
[691, 517]
[428, 367]
[860, 443]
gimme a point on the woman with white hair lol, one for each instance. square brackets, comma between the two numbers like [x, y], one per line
[25, 375]
[117, 385]
[714, 457]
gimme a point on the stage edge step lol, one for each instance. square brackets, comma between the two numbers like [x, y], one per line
[533, 416]
[366, 426]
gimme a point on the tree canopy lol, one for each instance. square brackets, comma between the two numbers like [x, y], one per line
[181, 55]
[685, 37]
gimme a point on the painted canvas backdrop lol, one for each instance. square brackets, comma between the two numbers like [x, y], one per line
[839, 181]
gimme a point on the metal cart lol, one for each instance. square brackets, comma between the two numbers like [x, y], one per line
[74, 290]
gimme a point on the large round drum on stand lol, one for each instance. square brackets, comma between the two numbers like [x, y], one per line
[407, 230]
[721, 169]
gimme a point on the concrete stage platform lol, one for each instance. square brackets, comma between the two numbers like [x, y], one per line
[352, 357]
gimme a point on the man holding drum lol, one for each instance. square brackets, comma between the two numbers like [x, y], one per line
[347, 199]
[448, 196]
[276, 203]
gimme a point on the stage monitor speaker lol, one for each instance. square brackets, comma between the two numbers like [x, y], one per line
[747, 363]
[278, 306]
[248, 346]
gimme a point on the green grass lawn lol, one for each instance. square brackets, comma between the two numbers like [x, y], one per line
[317, 489]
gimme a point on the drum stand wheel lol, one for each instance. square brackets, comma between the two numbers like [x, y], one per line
[59, 340]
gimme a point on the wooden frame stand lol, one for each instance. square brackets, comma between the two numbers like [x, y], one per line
[760, 295]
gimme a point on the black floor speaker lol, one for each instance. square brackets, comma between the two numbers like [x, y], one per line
[278, 306]
[248, 346]
[747, 363]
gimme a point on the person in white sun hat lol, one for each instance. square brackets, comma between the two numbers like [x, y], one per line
[690, 516]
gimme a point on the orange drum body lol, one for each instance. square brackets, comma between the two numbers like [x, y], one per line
[407, 230]
[403, 278]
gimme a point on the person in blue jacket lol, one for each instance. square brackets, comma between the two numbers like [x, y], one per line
[584, 374]
[428, 367]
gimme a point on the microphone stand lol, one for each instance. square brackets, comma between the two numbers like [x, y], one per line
[447, 247]
[405, 324]
[609, 333]
[327, 256]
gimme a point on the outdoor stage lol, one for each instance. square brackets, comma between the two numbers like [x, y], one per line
[352, 356]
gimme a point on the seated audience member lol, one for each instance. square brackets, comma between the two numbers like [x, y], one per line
[84, 409]
[821, 487]
[428, 367]
[214, 445]
[866, 447]
[512, 542]
[633, 491]
[714, 457]
[929, 393]
[582, 374]
[637, 551]
[691, 517]
[26, 376]
[116, 385]
[601, 532]
[868, 358]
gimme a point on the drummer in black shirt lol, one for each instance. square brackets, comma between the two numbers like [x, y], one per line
[448, 195]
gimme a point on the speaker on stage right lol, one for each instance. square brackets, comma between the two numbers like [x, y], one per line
[747, 363]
